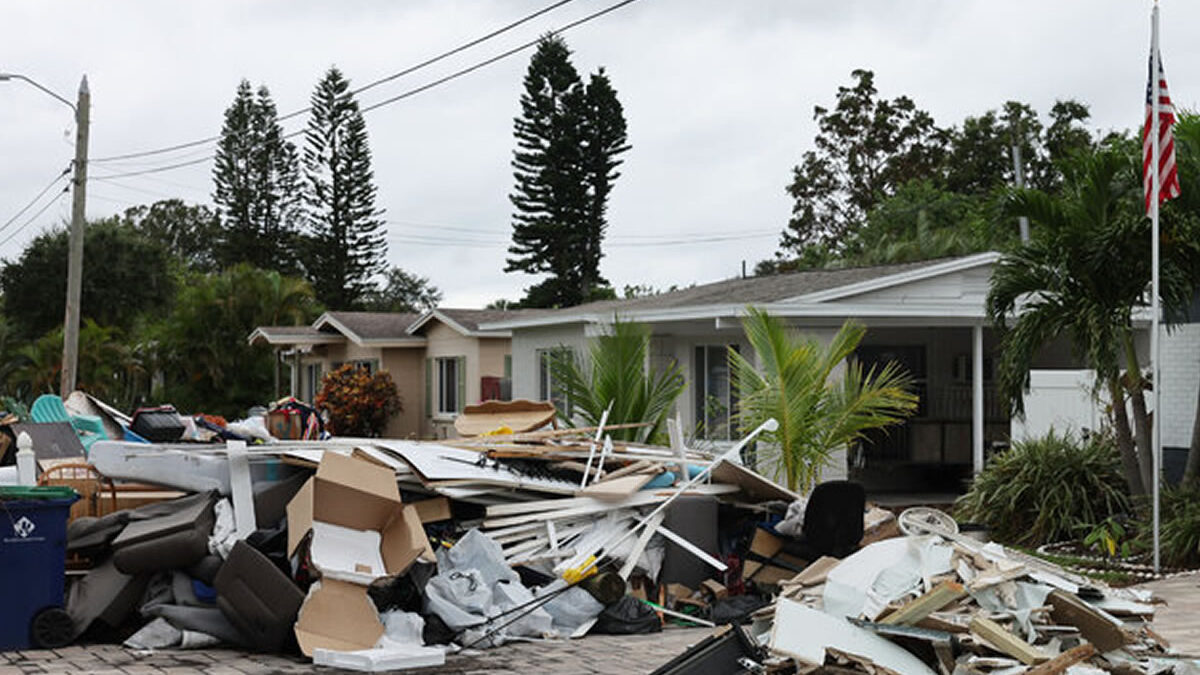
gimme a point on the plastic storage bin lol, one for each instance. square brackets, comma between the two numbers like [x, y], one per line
[33, 550]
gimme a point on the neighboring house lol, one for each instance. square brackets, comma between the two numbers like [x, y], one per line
[927, 315]
[439, 360]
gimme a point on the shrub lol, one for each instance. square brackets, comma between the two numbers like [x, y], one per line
[1179, 527]
[358, 404]
[1047, 489]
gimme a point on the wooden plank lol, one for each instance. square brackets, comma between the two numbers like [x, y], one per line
[1064, 660]
[1007, 643]
[617, 489]
[625, 470]
[1095, 626]
[640, 545]
[941, 595]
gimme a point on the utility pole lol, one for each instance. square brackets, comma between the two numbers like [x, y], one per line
[1019, 173]
[75, 251]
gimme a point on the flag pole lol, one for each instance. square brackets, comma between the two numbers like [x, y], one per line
[1156, 186]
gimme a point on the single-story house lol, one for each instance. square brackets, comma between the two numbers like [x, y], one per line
[928, 315]
[440, 360]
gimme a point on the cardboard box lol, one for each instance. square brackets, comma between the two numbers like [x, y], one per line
[337, 615]
[768, 545]
[360, 496]
[361, 531]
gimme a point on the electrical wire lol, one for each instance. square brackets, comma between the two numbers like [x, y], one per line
[383, 80]
[35, 200]
[34, 217]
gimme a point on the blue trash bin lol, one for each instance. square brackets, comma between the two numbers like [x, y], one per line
[33, 551]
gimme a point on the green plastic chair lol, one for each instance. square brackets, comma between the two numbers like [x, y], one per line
[50, 408]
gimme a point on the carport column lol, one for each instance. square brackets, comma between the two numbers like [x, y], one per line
[977, 398]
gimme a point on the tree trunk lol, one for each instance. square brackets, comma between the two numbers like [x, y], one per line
[1142, 431]
[1143, 435]
[1124, 439]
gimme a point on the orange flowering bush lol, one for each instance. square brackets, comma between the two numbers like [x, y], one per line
[358, 404]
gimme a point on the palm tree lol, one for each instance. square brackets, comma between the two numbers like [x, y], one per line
[818, 415]
[1080, 277]
[616, 374]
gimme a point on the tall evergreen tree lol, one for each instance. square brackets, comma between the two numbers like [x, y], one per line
[256, 177]
[346, 244]
[569, 137]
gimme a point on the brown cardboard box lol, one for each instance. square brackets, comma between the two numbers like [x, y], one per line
[362, 496]
[337, 615]
[767, 545]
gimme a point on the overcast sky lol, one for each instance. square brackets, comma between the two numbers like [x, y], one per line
[718, 98]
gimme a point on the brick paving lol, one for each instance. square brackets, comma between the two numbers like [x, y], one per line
[1178, 621]
[598, 654]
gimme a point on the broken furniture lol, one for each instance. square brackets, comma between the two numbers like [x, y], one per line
[49, 408]
[513, 417]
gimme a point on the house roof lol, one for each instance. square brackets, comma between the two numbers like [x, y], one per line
[377, 329]
[467, 321]
[290, 335]
[732, 295]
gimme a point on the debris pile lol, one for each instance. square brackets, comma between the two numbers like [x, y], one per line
[381, 554]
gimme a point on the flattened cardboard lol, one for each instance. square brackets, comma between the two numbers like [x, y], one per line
[768, 545]
[337, 615]
[751, 483]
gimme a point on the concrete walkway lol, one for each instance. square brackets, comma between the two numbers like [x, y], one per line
[1179, 620]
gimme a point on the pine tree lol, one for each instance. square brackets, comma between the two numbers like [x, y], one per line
[568, 139]
[346, 244]
[256, 177]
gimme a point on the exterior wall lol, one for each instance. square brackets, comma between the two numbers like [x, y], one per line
[1061, 400]
[525, 344]
[1180, 374]
[445, 342]
[406, 366]
[491, 356]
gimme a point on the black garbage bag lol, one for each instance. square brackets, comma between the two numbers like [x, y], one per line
[627, 616]
[736, 608]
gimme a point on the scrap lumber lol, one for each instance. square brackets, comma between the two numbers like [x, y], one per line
[941, 595]
[635, 467]
[617, 489]
[1095, 626]
[1064, 660]
[1005, 642]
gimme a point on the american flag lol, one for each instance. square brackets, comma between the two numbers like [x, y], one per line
[1168, 179]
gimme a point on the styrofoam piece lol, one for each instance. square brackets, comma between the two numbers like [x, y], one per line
[381, 659]
[851, 588]
[347, 554]
[805, 634]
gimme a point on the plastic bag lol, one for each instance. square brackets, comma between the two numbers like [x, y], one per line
[477, 551]
[570, 609]
[460, 598]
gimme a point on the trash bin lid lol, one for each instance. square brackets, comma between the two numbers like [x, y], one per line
[27, 492]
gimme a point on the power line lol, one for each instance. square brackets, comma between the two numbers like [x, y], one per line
[33, 201]
[407, 71]
[498, 57]
[35, 216]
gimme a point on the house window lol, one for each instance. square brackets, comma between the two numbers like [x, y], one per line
[715, 395]
[548, 389]
[369, 365]
[449, 384]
